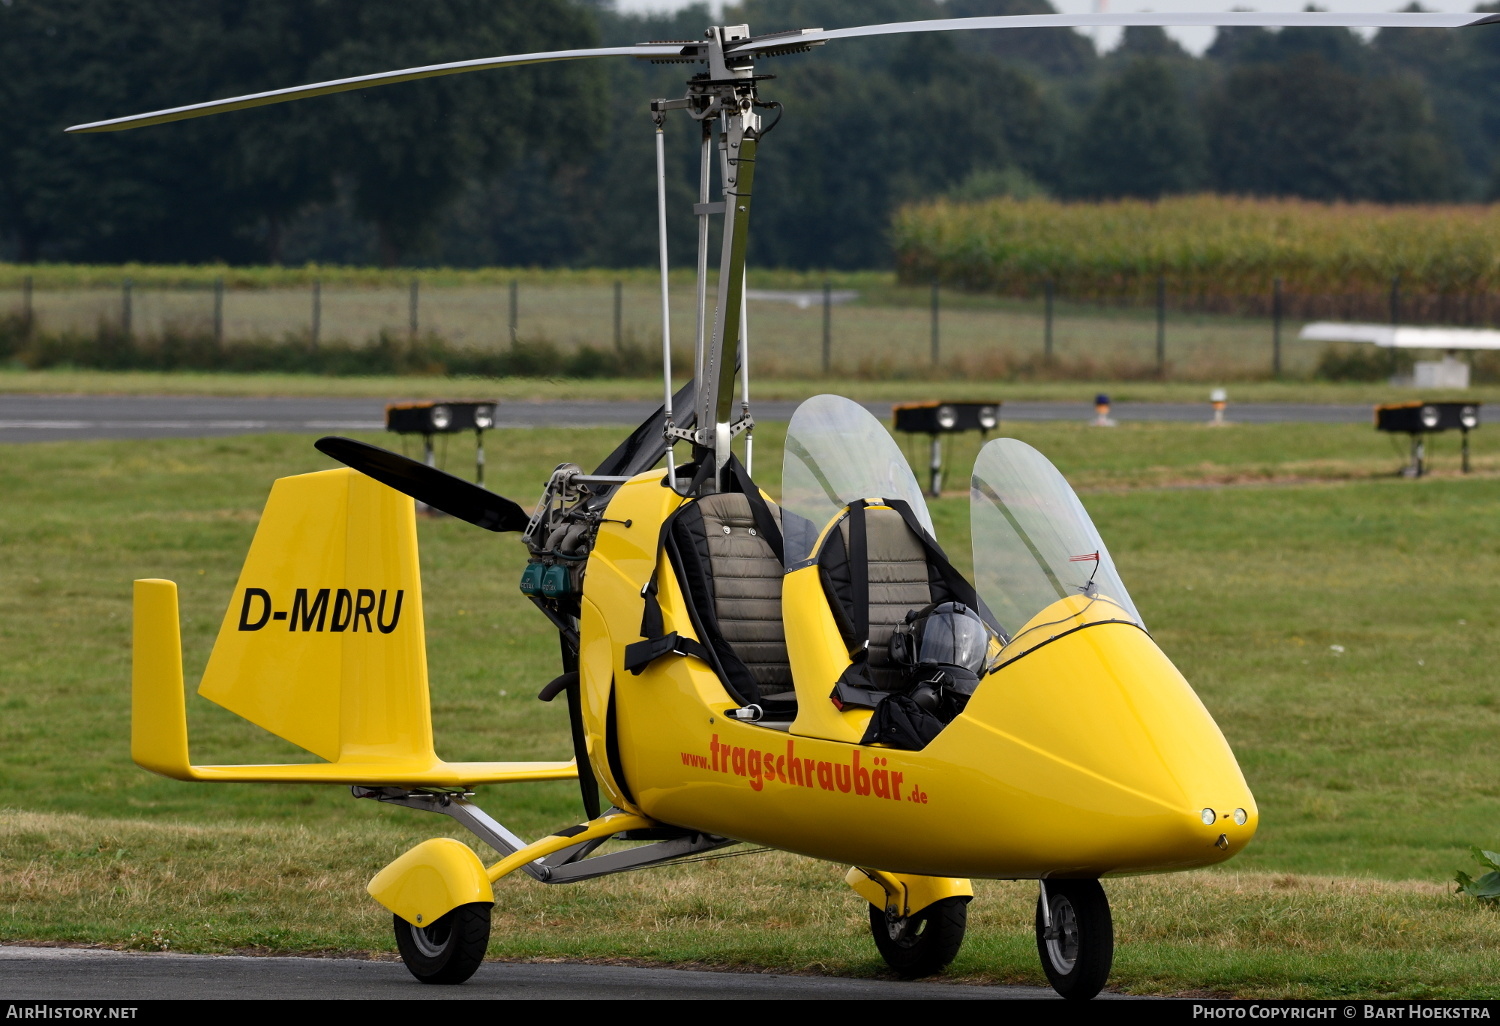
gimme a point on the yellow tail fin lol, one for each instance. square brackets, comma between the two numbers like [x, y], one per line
[322, 644]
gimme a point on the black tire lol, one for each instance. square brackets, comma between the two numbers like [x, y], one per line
[1078, 954]
[924, 943]
[450, 949]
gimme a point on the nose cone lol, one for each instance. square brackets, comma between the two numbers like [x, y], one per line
[1100, 758]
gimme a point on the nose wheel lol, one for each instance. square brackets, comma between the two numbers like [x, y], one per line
[1075, 937]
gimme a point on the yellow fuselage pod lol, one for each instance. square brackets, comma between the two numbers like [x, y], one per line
[1087, 755]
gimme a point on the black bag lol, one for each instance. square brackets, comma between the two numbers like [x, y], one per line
[901, 723]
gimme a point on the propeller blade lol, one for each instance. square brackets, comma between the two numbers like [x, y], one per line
[343, 85]
[453, 495]
[1165, 19]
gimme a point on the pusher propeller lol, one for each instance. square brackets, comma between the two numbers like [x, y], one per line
[453, 495]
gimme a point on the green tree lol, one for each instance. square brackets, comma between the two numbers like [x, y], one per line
[221, 188]
[1338, 47]
[866, 128]
[1149, 41]
[1139, 138]
[1307, 127]
[143, 195]
[408, 151]
[1460, 75]
[1058, 52]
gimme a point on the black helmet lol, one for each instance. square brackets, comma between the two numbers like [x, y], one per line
[944, 650]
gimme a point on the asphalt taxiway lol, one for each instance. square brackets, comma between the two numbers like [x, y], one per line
[51, 418]
[85, 974]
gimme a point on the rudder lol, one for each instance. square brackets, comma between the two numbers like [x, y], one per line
[323, 642]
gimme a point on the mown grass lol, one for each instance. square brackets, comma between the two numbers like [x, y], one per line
[264, 888]
[1373, 766]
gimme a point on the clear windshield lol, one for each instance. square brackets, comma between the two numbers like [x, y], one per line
[1035, 547]
[836, 452]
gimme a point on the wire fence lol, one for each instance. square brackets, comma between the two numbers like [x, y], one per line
[878, 333]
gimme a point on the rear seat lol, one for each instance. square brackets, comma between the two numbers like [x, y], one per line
[901, 575]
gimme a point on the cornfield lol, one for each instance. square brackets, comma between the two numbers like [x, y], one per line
[1217, 254]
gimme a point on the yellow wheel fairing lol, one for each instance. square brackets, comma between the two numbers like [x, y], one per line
[1088, 755]
[431, 880]
[904, 895]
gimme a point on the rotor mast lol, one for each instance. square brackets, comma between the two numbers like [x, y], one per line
[726, 94]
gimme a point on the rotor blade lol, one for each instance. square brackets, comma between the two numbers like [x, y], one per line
[1226, 19]
[344, 85]
[453, 495]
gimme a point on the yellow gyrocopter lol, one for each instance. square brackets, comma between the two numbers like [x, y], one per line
[811, 675]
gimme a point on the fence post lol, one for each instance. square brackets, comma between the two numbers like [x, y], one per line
[1161, 325]
[827, 327]
[125, 307]
[1276, 327]
[1047, 330]
[411, 310]
[1395, 299]
[28, 314]
[219, 313]
[619, 316]
[317, 311]
[513, 311]
[935, 335]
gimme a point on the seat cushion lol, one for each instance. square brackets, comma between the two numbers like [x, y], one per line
[899, 583]
[735, 578]
[901, 580]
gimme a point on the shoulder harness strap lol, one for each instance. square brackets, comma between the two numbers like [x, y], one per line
[656, 643]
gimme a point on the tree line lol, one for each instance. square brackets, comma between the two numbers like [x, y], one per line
[553, 165]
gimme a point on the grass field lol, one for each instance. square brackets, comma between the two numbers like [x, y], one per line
[1252, 552]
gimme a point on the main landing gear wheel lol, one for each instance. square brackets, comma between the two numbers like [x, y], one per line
[1079, 946]
[448, 950]
[924, 943]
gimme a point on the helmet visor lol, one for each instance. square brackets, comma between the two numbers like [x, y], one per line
[954, 638]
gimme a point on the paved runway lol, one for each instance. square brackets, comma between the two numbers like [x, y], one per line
[49, 418]
[41, 974]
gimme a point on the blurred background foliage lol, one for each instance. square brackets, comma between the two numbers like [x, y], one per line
[551, 166]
